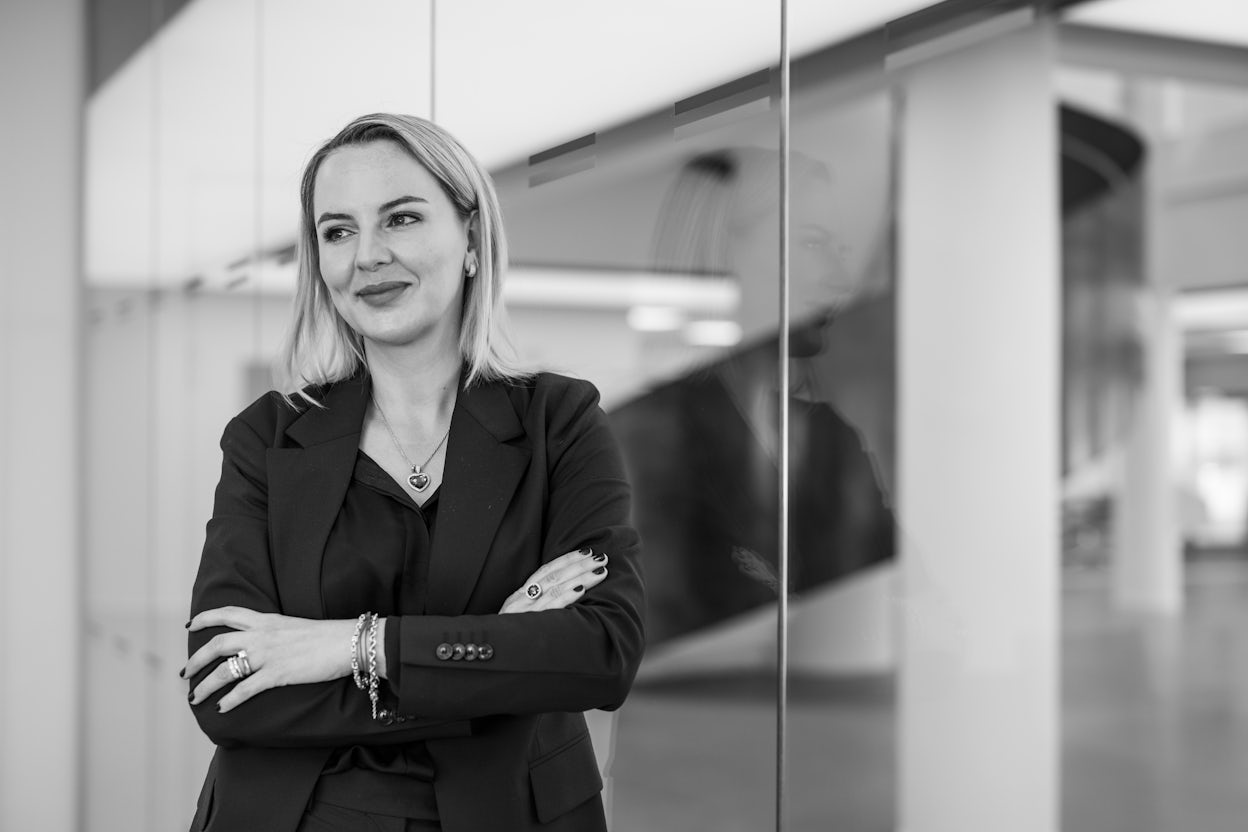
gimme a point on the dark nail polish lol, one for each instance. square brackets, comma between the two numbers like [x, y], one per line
[578, 588]
[600, 557]
[586, 551]
[182, 673]
[187, 625]
[600, 570]
[190, 697]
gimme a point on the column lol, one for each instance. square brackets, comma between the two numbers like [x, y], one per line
[979, 371]
[42, 61]
[1147, 558]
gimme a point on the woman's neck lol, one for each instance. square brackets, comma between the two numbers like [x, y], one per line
[420, 385]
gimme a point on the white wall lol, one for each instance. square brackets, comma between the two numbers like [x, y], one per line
[40, 439]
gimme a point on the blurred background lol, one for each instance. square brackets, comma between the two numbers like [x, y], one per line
[1016, 374]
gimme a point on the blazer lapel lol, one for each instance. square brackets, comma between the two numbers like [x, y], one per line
[483, 468]
[307, 485]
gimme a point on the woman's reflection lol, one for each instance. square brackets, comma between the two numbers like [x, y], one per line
[704, 447]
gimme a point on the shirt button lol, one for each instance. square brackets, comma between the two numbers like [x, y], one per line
[470, 652]
[457, 651]
[485, 652]
[443, 652]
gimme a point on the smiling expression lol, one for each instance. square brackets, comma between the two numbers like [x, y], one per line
[391, 244]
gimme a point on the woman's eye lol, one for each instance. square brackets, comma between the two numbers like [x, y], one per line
[404, 219]
[333, 234]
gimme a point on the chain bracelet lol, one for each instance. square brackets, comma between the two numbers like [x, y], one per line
[372, 663]
[355, 652]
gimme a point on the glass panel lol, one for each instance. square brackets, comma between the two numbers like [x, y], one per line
[1155, 427]
[639, 181]
[842, 443]
[195, 144]
[171, 167]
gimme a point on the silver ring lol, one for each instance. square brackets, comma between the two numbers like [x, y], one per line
[533, 591]
[235, 670]
[243, 662]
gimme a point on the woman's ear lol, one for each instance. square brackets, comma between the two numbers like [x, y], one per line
[472, 255]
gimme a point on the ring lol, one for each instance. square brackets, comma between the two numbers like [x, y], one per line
[243, 662]
[235, 670]
[533, 591]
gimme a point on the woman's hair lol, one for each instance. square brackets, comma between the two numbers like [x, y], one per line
[320, 347]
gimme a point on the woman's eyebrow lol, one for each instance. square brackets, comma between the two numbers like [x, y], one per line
[396, 202]
[381, 210]
[329, 216]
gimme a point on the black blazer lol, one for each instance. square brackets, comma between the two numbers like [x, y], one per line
[532, 471]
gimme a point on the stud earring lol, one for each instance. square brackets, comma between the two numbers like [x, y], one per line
[471, 271]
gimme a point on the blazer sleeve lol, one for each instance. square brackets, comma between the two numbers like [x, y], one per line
[574, 659]
[235, 570]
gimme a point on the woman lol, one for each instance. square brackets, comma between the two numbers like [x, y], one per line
[384, 528]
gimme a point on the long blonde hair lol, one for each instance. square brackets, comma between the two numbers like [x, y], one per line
[320, 347]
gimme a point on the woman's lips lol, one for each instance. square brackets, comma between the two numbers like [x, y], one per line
[379, 294]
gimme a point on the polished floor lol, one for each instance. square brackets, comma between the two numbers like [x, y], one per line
[1154, 730]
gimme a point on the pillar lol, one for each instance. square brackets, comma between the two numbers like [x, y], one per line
[1147, 558]
[979, 370]
[42, 60]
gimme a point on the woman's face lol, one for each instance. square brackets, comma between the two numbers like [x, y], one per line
[392, 247]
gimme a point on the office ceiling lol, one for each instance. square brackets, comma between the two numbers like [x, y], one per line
[195, 141]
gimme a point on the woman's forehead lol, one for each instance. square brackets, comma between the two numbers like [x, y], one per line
[371, 174]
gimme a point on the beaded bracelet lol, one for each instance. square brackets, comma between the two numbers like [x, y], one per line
[355, 652]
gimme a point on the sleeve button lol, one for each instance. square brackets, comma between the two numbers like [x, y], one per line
[485, 652]
[470, 652]
[443, 651]
[457, 651]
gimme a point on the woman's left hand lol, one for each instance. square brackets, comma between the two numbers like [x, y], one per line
[281, 650]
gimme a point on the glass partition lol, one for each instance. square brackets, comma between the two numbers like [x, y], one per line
[842, 446]
[639, 180]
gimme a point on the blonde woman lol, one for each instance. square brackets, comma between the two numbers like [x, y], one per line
[420, 567]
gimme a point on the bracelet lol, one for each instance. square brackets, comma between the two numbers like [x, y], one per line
[355, 652]
[372, 663]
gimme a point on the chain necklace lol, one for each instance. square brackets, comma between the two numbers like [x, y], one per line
[418, 479]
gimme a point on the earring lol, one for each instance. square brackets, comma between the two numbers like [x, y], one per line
[471, 271]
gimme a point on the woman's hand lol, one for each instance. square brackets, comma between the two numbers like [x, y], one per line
[280, 649]
[559, 583]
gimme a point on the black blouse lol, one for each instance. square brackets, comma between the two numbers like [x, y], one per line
[377, 559]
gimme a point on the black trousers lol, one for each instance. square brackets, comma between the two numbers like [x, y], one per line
[326, 817]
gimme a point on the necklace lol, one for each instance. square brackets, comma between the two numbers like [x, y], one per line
[418, 479]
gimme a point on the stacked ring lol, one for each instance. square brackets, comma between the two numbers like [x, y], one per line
[240, 667]
[533, 591]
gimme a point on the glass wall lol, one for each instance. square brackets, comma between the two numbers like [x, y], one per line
[638, 151]
[640, 176]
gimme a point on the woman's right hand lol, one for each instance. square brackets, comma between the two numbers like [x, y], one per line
[559, 583]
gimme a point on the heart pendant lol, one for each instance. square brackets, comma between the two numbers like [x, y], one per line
[418, 481]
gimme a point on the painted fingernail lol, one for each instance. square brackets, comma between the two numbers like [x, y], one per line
[578, 588]
[600, 557]
[600, 570]
[190, 697]
[586, 551]
[188, 625]
[182, 673]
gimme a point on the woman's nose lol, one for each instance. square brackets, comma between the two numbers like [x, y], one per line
[372, 252]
